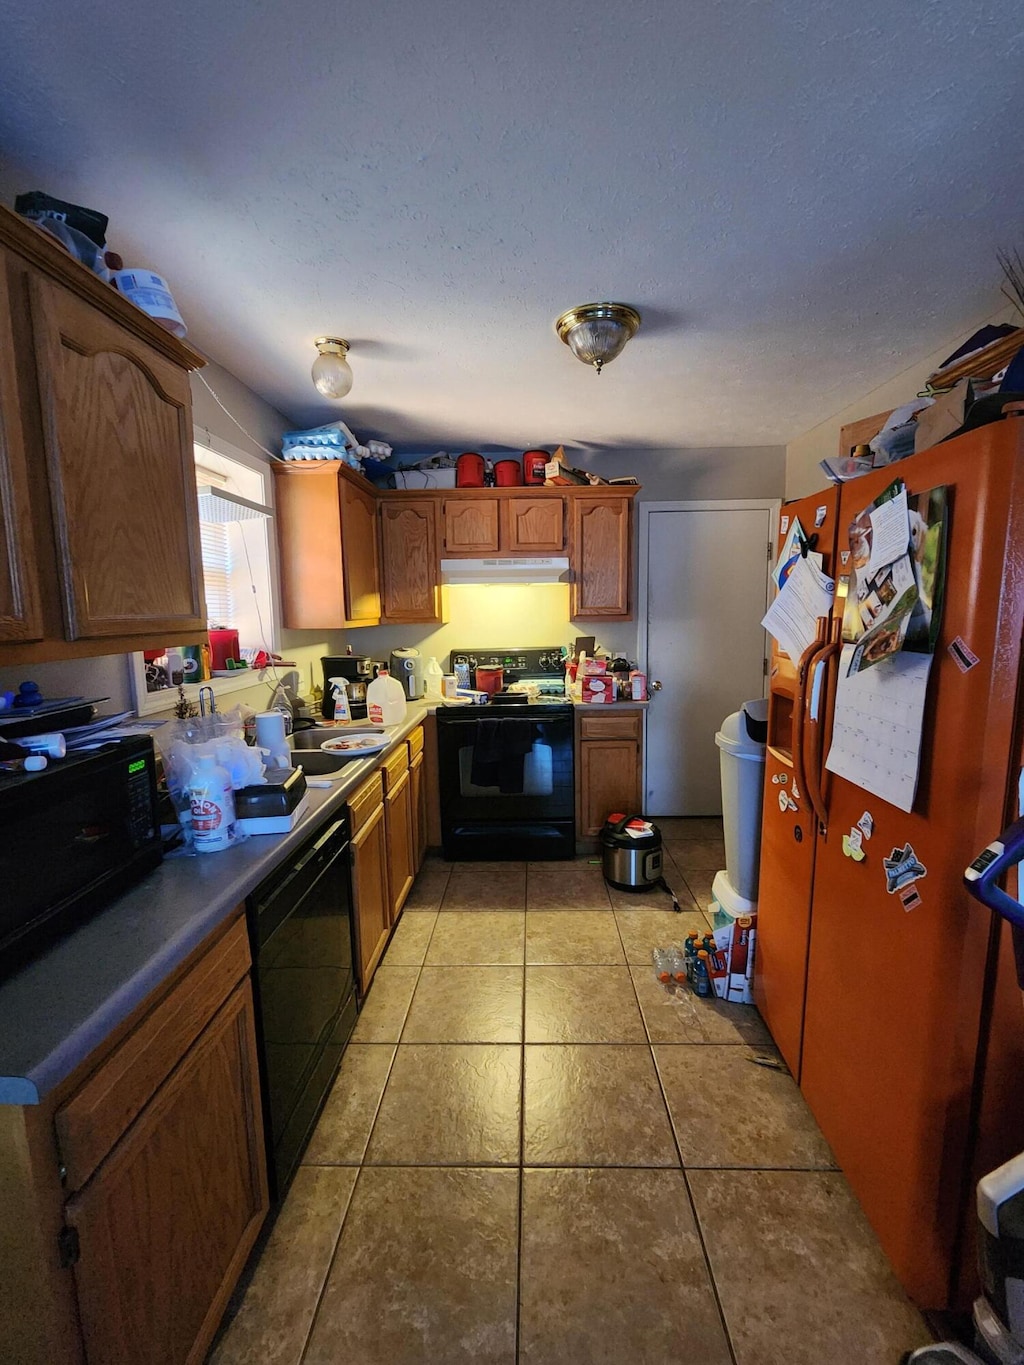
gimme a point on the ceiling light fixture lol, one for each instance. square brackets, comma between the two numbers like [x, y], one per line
[597, 332]
[332, 374]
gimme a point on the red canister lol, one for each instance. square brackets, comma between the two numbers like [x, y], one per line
[508, 474]
[533, 465]
[469, 470]
[489, 679]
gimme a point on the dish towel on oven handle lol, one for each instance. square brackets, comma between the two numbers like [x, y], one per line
[499, 753]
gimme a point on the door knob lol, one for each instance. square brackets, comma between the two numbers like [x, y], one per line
[655, 686]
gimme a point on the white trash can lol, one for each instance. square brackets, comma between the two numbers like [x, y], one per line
[742, 743]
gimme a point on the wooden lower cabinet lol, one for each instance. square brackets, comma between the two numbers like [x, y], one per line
[134, 1193]
[369, 878]
[609, 767]
[401, 850]
[418, 788]
[167, 1222]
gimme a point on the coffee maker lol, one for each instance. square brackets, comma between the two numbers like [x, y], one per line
[358, 672]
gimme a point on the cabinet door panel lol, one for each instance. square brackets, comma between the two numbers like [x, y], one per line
[400, 836]
[471, 526]
[370, 895]
[169, 1219]
[410, 561]
[602, 558]
[418, 787]
[609, 781]
[361, 558]
[118, 433]
[533, 525]
[20, 615]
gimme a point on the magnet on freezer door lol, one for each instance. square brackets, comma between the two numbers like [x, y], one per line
[849, 851]
[819, 516]
[844, 557]
[962, 655]
[911, 898]
[866, 824]
[783, 802]
[902, 867]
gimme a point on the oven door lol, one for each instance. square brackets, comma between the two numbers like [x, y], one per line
[507, 786]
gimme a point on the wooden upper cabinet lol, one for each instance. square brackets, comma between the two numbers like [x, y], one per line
[602, 557]
[471, 526]
[327, 543]
[117, 431]
[533, 525]
[360, 554]
[408, 538]
[20, 614]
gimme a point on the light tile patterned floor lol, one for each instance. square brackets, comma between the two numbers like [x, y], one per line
[533, 1153]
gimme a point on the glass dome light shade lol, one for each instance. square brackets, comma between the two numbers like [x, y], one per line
[597, 332]
[332, 374]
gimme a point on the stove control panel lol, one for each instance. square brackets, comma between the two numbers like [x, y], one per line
[519, 663]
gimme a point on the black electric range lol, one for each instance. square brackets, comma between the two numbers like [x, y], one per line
[506, 767]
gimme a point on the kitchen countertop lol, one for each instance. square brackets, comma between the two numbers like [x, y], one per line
[60, 1007]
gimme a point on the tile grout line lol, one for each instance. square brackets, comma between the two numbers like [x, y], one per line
[517, 1324]
[682, 1166]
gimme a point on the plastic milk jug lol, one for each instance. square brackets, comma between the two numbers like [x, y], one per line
[385, 700]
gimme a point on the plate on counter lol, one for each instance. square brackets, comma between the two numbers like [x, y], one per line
[356, 745]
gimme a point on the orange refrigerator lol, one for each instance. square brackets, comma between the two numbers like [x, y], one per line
[896, 1007]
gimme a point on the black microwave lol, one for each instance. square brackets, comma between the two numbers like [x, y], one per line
[72, 838]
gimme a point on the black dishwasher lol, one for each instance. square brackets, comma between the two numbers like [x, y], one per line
[300, 928]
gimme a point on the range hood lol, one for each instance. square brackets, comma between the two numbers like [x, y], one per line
[517, 570]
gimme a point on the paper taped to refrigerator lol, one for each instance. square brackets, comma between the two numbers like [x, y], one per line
[792, 619]
[876, 737]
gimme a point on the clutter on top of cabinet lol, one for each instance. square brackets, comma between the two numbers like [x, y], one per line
[82, 232]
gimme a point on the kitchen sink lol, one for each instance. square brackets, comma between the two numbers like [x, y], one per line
[316, 762]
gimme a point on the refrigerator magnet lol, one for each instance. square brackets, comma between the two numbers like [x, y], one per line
[783, 525]
[819, 516]
[844, 557]
[866, 824]
[852, 848]
[962, 656]
[911, 898]
[902, 867]
[783, 802]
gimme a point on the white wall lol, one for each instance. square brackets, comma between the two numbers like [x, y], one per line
[803, 472]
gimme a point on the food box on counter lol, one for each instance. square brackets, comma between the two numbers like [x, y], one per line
[598, 687]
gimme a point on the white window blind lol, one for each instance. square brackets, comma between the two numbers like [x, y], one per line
[217, 573]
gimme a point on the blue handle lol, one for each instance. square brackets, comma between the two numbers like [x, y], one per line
[990, 865]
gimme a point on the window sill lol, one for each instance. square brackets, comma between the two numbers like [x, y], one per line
[146, 703]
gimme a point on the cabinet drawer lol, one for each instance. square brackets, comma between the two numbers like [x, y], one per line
[394, 766]
[365, 800]
[93, 1120]
[415, 742]
[601, 724]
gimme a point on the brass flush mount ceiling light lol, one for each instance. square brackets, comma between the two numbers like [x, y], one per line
[597, 332]
[332, 374]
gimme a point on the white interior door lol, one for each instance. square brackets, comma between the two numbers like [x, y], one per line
[704, 578]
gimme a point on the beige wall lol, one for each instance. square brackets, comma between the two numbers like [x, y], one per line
[803, 474]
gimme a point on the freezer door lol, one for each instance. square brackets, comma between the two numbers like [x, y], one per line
[898, 988]
[788, 830]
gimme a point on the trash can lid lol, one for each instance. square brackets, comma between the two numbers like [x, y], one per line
[743, 733]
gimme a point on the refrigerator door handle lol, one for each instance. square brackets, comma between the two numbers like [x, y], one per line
[803, 674]
[990, 865]
[823, 724]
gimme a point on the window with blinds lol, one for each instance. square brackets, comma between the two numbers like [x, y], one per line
[218, 572]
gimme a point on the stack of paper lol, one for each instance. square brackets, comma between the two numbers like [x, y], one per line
[805, 595]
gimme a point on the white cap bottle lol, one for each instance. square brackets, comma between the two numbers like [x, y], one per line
[213, 805]
[433, 675]
[385, 700]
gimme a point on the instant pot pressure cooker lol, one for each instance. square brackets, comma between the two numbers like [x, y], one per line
[632, 864]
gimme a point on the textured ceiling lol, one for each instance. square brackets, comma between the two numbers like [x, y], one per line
[800, 198]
